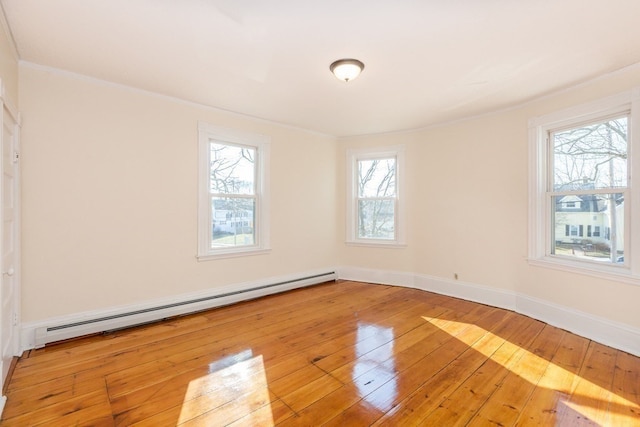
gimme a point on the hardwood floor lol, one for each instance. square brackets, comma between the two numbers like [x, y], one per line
[337, 354]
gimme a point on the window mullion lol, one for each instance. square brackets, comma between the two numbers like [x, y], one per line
[233, 196]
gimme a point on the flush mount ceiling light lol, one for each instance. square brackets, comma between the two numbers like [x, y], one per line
[346, 69]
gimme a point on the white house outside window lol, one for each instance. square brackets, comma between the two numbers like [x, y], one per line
[582, 182]
[375, 206]
[233, 199]
[589, 168]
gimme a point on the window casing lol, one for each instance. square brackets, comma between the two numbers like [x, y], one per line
[375, 202]
[583, 189]
[233, 193]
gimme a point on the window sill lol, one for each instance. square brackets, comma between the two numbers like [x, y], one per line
[608, 272]
[377, 244]
[232, 254]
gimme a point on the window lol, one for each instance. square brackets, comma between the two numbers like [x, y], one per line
[581, 174]
[375, 211]
[573, 230]
[233, 202]
[571, 202]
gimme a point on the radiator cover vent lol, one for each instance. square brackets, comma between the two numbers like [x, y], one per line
[126, 318]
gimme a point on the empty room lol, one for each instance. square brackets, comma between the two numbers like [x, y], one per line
[345, 213]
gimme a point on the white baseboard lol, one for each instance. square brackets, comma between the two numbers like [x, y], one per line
[468, 291]
[37, 334]
[604, 331]
[380, 277]
[454, 288]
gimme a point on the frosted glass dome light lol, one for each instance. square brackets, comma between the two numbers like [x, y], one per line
[346, 69]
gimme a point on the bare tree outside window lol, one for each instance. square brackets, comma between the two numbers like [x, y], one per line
[588, 188]
[376, 198]
[233, 195]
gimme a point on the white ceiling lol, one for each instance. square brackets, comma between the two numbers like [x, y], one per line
[426, 61]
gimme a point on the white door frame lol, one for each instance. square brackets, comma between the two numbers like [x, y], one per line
[15, 272]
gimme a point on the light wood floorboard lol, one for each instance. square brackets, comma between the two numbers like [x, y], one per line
[336, 354]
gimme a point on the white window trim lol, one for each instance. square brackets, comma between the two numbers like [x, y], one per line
[206, 133]
[353, 156]
[539, 213]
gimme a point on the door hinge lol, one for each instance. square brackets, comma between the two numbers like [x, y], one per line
[15, 319]
[16, 157]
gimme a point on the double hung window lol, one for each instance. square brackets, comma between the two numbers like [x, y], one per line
[375, 211]
[589, 168]
[582, 189]
[233, 192]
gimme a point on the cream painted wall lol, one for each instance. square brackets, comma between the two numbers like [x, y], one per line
[110, 197]
[468, 206]
[110, 193]
[460, 206]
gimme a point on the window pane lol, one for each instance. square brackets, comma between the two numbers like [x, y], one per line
[233, 221]
[593, 229]
[376, 219]
[591, 156]
[377, 178]
[232, 169]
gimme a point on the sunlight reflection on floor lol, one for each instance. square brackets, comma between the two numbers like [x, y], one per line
[589, 395]
[377, 367]
[235, 387]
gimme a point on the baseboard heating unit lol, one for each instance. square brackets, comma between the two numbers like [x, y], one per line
[37, 335]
